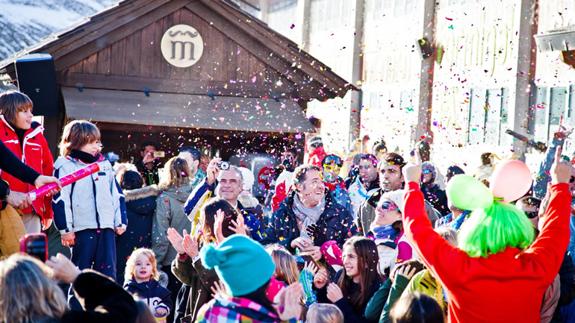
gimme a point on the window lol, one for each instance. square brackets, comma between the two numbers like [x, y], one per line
[557, 107]
[488, 116]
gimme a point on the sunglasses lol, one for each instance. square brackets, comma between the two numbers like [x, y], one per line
[532, 214]
[331, 168]
[426, 171]
[333, 160]
[388, 206]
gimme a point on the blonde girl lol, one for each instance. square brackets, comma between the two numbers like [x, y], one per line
[141, 280]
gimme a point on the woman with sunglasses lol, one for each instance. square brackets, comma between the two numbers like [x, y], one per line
[331, 165]
[387, 230]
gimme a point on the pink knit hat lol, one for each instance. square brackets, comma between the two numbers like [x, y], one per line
[331, 253]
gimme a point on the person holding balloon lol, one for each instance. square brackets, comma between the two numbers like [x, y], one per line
[499, 271]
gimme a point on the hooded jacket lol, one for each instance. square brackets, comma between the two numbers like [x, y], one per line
[335, 223]
[169, 214]
[140, 209]
[151, 293]
[34, 152]
[93, 202]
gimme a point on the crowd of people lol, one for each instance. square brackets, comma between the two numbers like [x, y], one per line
[390, 239]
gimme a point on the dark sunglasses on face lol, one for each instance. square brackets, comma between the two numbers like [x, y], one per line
[333, 159]
[387, 205]
[532, 214]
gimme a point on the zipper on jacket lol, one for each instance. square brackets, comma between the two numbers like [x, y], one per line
[95, 202]
[72, 203]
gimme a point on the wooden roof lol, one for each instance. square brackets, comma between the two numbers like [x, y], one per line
[306, 77]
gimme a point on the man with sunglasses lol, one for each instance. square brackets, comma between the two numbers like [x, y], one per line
[331, 165]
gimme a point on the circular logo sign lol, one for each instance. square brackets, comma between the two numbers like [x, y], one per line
[182, 46]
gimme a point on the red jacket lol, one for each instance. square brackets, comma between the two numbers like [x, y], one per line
[37, 155]
[503, 287]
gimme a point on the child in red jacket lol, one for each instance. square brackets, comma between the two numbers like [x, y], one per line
[26, 140]
[499, 274]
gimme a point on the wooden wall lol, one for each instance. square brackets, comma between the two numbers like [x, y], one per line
[136, 63]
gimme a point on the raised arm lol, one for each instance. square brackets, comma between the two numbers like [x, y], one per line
[437, 254]
[549, 247]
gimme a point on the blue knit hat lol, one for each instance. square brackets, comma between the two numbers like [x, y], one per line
[240, 262]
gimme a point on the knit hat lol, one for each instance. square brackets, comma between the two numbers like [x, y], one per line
[315, 142]
[240, 262]
[331, 253]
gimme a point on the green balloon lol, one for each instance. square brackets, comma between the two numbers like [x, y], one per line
[467, 193]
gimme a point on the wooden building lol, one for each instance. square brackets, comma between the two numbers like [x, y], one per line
[184, 72]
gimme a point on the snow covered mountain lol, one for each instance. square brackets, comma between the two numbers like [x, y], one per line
[24, 23]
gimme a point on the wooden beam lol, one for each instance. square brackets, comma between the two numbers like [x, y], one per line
[132, 83]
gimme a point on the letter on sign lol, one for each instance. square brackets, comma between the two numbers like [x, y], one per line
[182, 46]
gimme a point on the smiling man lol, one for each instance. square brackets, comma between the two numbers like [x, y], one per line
[227, 184]
[309, 217]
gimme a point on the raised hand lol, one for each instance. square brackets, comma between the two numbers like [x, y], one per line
[560, 170]
[212, 171]
[406, 271]
[238, 226]
[219, 290]
[176, 240]
[218, 222]
[190, 245]
[311, 267]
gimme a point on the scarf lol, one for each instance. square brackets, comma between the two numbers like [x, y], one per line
[306, 216]
[84, 157]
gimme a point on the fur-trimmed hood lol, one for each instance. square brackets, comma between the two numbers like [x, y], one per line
[140, 193]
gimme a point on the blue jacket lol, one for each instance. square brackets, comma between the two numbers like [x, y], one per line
[151, 293]
[335, 223]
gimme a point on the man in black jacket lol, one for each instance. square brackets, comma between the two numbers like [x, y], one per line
[309, 217]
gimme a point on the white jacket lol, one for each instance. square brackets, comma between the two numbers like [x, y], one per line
[93, 202]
